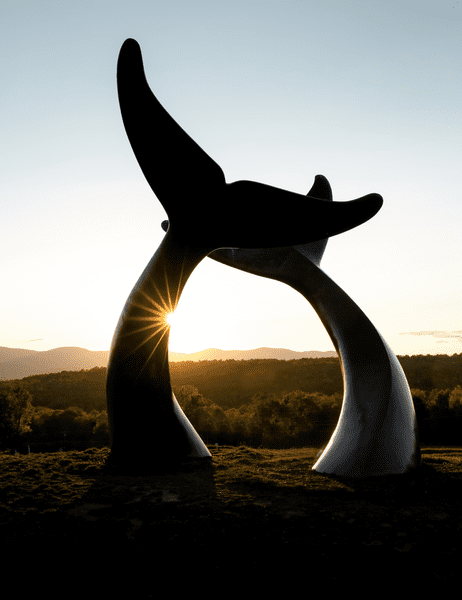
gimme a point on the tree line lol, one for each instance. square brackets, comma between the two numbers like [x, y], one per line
[255, 402]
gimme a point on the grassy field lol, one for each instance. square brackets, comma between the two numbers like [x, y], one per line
[249, 520]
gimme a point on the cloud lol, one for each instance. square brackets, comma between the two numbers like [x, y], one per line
[438, 334]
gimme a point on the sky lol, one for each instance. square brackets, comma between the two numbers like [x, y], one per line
[365, 92]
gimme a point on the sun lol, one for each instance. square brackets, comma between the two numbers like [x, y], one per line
[170, 318]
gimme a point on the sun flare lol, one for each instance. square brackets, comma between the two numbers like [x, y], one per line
[170, 318]
[153, 313]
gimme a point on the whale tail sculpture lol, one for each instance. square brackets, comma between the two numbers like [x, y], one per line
[192, 188]
[205, 213]
[377, 432]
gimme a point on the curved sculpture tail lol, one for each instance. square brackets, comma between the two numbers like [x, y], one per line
[377, 431]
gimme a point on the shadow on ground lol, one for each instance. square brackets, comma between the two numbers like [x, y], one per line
[247, 520]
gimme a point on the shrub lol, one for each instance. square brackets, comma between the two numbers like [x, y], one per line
[16, 413]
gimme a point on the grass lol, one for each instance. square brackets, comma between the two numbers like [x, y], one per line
[248, 519]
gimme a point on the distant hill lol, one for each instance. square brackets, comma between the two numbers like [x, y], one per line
[16, 363]
[275, 353]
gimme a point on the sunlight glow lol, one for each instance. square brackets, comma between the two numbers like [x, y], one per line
[156, 318]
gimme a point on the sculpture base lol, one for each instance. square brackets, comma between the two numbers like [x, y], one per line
[362, 472]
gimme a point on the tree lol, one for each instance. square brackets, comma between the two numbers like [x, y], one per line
[16, 412]
[101, 432]
[269, 419]
[199, 410]
[237, 423]
[421, 405]
[73, 424]
[439, 403]
[455, 400]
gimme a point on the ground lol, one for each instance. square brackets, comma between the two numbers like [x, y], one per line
[253, 520]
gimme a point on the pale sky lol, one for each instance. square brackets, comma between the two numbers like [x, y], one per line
[365, 92]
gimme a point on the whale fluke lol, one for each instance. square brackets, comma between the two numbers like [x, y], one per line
[192, 189]
[252, 260]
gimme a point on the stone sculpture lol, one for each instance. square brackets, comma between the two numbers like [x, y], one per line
[377, 430]
[145, 421]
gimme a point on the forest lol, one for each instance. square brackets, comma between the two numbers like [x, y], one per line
[264, 402]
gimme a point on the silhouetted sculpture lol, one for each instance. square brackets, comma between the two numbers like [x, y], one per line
[205, 213]
[377, 430]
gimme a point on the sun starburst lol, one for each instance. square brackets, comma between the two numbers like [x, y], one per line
[170, 318]
[156, 317]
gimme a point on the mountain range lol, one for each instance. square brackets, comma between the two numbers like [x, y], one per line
[16, 363]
